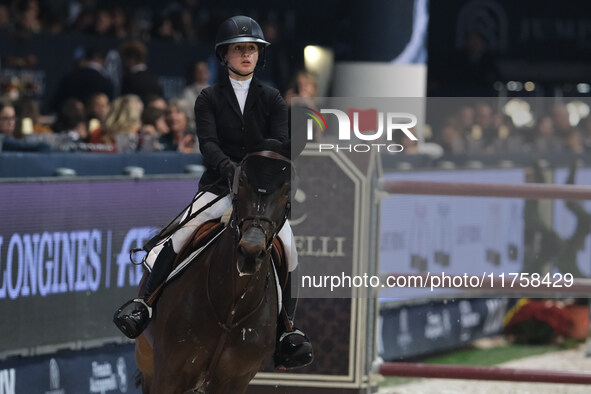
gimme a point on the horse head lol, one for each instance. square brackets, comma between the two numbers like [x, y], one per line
[261, 191]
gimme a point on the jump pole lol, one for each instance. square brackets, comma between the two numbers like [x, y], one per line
[528, 191]
[578, 286]
[508, 190]
[418, 370]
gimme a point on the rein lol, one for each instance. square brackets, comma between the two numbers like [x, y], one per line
[231, 321]
[229, 324]
[171, 228]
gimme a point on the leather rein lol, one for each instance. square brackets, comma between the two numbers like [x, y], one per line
[236, 223]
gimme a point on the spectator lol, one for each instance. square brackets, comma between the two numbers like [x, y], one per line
[7, 129]
[452, 139]
[508, 140]
[103, 22]
[121, 125]
[84, 81]
[164, 30]
[155, 101]
[97, 109]
[119, 22]
[484, 132]
[409, 147]
[7, 119]
[183, 24]
[180, 137]
[466, 119]
[28, 110]
[27, 18]
[154, 127]
[546, 139]
[561, 119]
[199, 80]
[137, 79]
[71, 122]
[4, 17]
[304, 86]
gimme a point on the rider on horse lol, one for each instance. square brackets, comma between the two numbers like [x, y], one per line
[232, 117]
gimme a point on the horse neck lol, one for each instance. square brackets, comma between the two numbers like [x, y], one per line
[230, 290]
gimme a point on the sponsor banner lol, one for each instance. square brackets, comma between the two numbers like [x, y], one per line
[409, 331]
[64, 254]
[331, 237]
[454, 235]
[512, 30]
[101, 371]
[326, 224]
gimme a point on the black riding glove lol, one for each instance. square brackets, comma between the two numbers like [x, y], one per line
[227, 168]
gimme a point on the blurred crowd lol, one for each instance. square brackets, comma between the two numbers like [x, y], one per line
[180, 20]
[91, 111]
[88, 117]
[100, 109]
[480, 128]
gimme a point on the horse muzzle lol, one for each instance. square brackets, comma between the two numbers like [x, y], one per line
[251, 251]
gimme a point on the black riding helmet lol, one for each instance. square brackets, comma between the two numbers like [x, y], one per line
[240, 29]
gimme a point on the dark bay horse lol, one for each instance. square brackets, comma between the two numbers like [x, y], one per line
[215, 324]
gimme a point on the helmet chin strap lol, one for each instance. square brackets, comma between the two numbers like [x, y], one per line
[237, 72]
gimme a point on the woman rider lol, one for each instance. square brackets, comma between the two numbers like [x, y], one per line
[232, 117]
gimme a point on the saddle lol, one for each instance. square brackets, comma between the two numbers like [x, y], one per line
[202, 236]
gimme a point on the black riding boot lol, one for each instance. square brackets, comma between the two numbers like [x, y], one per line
[293, 348]
[134, 316]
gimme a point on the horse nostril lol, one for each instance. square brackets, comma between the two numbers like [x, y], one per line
[261, 254]
[242, 250]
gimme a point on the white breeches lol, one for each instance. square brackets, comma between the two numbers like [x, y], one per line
[216, 211]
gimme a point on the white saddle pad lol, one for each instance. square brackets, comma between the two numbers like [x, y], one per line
[197, 252]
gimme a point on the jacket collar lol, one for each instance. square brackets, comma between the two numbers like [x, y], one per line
[228, 91]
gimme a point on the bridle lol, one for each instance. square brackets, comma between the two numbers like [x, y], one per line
[257, 220]
[231, 321]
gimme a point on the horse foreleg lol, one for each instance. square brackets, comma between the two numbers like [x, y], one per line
[144, 358]
[146, 384]
[236, 385]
